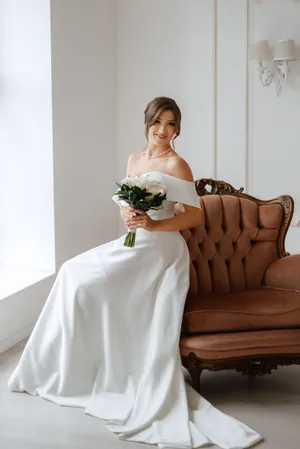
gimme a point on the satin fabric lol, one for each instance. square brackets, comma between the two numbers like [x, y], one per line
[107, 340]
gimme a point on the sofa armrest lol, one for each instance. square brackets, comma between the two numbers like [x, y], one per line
[284, 273]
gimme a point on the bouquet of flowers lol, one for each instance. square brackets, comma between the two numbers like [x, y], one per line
[140, 193]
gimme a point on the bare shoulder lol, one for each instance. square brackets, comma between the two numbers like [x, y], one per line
[181, 169]
[133, 158]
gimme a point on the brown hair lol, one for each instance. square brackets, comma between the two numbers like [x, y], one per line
[156, 107]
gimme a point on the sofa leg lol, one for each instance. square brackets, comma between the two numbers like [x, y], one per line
[195, 370]
[196, 379]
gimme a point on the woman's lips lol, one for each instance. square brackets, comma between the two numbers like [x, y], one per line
[160, 137]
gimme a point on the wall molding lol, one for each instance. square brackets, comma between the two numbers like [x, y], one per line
[231, 96]
[247, 112]
[215, 87]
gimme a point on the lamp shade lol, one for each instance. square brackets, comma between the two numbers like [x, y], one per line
[260, 51]
[285, 50]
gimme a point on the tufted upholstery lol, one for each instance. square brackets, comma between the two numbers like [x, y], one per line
[234, 244]
[243, 305]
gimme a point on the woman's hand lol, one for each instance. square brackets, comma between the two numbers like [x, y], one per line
[138, 219]
[126, 212]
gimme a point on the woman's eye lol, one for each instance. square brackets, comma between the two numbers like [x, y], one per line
[171, 123]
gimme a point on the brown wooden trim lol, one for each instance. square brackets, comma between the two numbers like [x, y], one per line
[250, 365]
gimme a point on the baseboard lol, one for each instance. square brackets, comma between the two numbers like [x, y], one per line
[15, 337]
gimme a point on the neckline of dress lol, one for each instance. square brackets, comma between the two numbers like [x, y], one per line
[167, 174]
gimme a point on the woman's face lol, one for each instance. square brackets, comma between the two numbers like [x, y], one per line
[162, 131]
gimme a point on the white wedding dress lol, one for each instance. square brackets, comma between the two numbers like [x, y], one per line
[107, 340]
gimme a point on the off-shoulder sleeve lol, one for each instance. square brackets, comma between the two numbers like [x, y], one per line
[183, 192]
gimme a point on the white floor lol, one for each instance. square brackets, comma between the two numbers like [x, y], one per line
[270, 404]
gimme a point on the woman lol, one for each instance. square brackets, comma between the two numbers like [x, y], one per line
[107, 338]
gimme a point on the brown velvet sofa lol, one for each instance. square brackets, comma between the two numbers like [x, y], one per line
[243, 308]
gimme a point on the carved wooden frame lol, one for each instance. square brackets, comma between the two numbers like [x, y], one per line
[254, 364]
[224, 188]
[250, 365]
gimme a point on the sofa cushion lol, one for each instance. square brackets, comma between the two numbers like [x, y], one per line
[257, 309]
[242, 344]
[234, 244]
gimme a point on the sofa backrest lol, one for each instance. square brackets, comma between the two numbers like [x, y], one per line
[239, 237]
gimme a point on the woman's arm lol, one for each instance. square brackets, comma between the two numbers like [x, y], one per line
[188, 219]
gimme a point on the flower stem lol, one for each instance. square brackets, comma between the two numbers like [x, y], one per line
[130, 239]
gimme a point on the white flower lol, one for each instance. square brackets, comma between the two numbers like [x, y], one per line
[143, 183]
[131, 182]
[156, 187]
[151, 186]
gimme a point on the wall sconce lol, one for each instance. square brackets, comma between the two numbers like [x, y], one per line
[284, 52]
[261, 54]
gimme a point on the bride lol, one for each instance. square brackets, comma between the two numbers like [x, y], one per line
[107, 337]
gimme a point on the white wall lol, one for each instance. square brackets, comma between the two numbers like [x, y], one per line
[26, 157]
[197, 52]
[84, 85]
[231, 91]
[165, 48]
[84, 89]
[274, 132]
